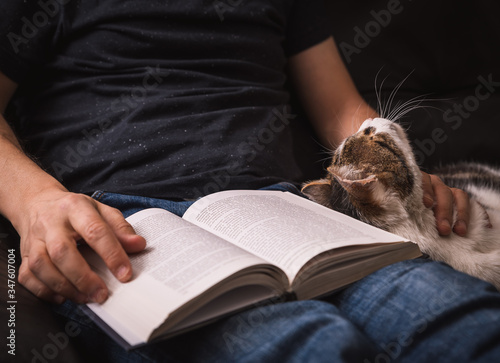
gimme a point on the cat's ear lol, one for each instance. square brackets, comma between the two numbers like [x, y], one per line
[360, 190]
[319, 191]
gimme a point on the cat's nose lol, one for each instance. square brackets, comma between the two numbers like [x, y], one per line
[369, 131]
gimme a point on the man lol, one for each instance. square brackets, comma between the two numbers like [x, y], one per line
[163, 100]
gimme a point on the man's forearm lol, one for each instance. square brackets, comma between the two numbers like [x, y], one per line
[333, 104]
[21, 178]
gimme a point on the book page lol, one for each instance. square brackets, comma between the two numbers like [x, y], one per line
[280, 227]
[179, 262]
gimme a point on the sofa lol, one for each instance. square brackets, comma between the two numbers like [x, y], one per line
[442, 55]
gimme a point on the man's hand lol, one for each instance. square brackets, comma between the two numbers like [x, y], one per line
[52, 268]
[443, 200]
[51, 220]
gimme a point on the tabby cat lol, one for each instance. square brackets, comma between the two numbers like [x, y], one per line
[373, 176]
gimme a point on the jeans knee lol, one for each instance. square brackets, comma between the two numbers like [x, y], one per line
[427, 277]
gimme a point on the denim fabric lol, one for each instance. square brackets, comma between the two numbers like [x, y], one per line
[130, 204]
[412, 311]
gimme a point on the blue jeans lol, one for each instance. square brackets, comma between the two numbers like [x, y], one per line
[412, 311]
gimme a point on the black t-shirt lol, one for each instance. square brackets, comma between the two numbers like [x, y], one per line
[157, 98]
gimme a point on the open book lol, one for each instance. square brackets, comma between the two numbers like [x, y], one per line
[232, 250]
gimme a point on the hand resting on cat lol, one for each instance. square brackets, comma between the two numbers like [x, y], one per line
[374, 177]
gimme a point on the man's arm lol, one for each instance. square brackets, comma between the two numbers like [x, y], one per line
[50, 220]
[336, 110]
[329, 95]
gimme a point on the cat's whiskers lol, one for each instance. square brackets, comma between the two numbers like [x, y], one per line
[406, 107]
[392, 96]
[394, 112]
[328, 157]
[378, 94]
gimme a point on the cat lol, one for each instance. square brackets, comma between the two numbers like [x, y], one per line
[374, 177]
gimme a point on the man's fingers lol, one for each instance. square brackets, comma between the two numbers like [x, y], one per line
[68, 260]
[101, 238]
[444, 199]
[428, 190]
[462, 204]
[35, 286]
[443, 207]
[46, 272]
[53, 267]
[131, 242]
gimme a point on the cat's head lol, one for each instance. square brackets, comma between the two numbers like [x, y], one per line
[376, 171]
